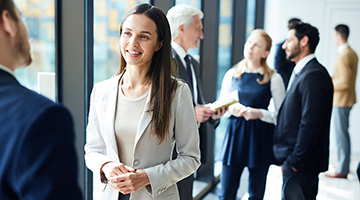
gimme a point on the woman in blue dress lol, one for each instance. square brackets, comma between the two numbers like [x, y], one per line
[249, 134]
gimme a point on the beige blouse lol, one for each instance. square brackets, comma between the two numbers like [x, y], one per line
[127, 117]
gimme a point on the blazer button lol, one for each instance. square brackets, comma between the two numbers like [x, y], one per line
[136, 162]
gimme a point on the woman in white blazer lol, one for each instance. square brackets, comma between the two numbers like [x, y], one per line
[138, 115]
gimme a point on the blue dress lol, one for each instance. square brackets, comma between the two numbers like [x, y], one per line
[249, 143]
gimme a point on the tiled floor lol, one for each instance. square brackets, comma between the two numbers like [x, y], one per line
[329, 189]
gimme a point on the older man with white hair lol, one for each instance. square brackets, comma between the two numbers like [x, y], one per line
[186, 31]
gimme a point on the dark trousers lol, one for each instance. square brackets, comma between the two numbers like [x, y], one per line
[185, 188]
[307, 181]
[123, 197]
[358, 171]
[230, 182]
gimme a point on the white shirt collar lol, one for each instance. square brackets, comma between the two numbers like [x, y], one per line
[301, 64]
[342, 47]
[7, 70]
[179, 50]
[247, 70]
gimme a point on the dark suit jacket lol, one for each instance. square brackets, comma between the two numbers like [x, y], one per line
[302, 133]
[183, 75]
[283, 66]
[37, 154]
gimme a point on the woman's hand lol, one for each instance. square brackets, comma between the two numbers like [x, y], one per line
[251, 113]
[115, 169]
[220, 112]
[236, 109]
[130, 182]
[239, 110]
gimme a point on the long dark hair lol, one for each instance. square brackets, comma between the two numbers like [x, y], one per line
[160, 73]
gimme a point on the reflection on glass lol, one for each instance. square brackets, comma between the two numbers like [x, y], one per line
[224, 63]
[107, 17]
[39, 17]
[197, 4]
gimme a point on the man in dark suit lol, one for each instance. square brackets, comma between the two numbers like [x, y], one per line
[301, 138]
[282, 65]
[186, 31]
[37, 154]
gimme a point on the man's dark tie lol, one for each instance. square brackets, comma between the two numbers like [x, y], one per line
[188, 70]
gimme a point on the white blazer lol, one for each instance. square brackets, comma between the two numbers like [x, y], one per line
[154, 158]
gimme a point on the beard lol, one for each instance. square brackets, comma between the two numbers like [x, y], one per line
[22, 48]
[293, 53]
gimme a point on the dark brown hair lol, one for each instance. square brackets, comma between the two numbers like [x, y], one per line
[292, 23]
[343, 30]
[305, 29]
[162, 67]
[9, 6]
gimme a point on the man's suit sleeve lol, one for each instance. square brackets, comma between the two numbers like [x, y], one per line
[213, 122]
[316, 91]
[201, 100]
[45, 164]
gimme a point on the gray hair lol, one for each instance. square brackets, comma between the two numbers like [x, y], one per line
[182, 15]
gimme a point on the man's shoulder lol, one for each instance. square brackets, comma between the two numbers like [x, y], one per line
[24, 106]
[315, 74]
[28, 97]
[348, 52]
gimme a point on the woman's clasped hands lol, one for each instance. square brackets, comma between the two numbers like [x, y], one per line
[125, 179]
[239, 110]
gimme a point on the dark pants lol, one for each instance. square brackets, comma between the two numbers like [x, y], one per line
[230, 182]
[123, 197]
[307, 181]
[358, 171]
[185, 188]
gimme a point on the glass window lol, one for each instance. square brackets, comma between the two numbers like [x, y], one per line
[250, 17]
[107, 18]
[39, 17]
[224, 64]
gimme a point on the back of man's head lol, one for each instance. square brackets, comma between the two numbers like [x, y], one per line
[343, 30]
[292, 22]
[9, 6]
[305, 29]
[182, 15]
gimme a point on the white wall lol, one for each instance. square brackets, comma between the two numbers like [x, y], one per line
[325, 15]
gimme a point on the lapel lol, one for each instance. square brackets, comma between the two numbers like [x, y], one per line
[183, 74]
[144, 120]
[108, 107]
[180, 66]
[296, 82]
[196, 69]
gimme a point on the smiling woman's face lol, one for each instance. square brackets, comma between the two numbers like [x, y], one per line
[139, 40]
